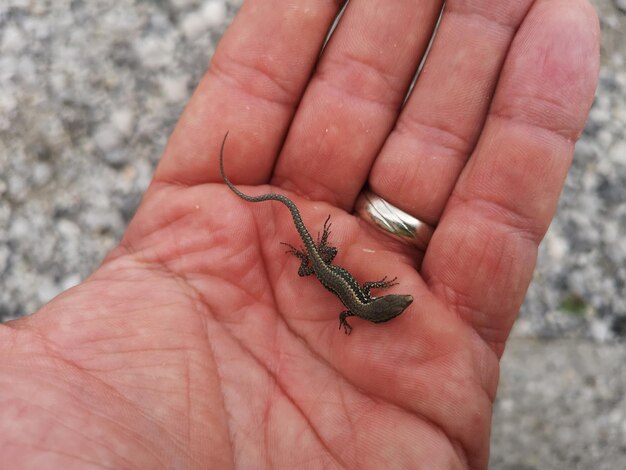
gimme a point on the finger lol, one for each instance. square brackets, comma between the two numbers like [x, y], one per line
[482, 255]
[439, 126]
[251, 88]
[354, 98]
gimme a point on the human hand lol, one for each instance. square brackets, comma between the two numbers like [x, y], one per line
[196, 344]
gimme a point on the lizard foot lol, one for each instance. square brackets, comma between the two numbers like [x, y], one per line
[344, 323]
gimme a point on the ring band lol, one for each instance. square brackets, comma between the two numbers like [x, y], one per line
[397, 223]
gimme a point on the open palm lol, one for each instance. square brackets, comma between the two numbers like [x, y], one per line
[197, 345]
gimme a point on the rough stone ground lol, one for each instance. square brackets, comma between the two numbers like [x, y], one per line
[89, 92]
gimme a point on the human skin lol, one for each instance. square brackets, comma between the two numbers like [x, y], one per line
[196, 345]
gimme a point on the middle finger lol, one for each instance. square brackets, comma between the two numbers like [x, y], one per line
[354, 98]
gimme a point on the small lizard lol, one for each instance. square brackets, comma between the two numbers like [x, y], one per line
[317, 259]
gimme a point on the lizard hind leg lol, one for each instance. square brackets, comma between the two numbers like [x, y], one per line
[306, 267]
[382, 284]
[325, 232]
[326, 251]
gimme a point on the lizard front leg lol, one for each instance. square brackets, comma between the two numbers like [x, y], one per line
[306, 268]
[382, 284]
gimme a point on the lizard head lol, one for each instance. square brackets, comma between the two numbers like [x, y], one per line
[391, 306]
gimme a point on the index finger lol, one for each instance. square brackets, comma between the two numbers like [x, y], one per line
[252, 87]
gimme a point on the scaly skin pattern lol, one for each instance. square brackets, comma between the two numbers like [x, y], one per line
[316, 259]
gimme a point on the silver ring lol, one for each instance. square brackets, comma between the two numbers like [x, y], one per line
[395, 222]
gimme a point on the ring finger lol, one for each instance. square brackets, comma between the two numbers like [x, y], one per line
[438, 128]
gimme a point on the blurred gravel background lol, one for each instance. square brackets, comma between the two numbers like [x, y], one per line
[89, 93]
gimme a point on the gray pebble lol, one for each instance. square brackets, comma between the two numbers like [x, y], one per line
[108, 138]
[617, 154]
[42, 172]
[621, 4]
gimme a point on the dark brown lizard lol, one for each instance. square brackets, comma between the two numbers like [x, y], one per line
[317, 259]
